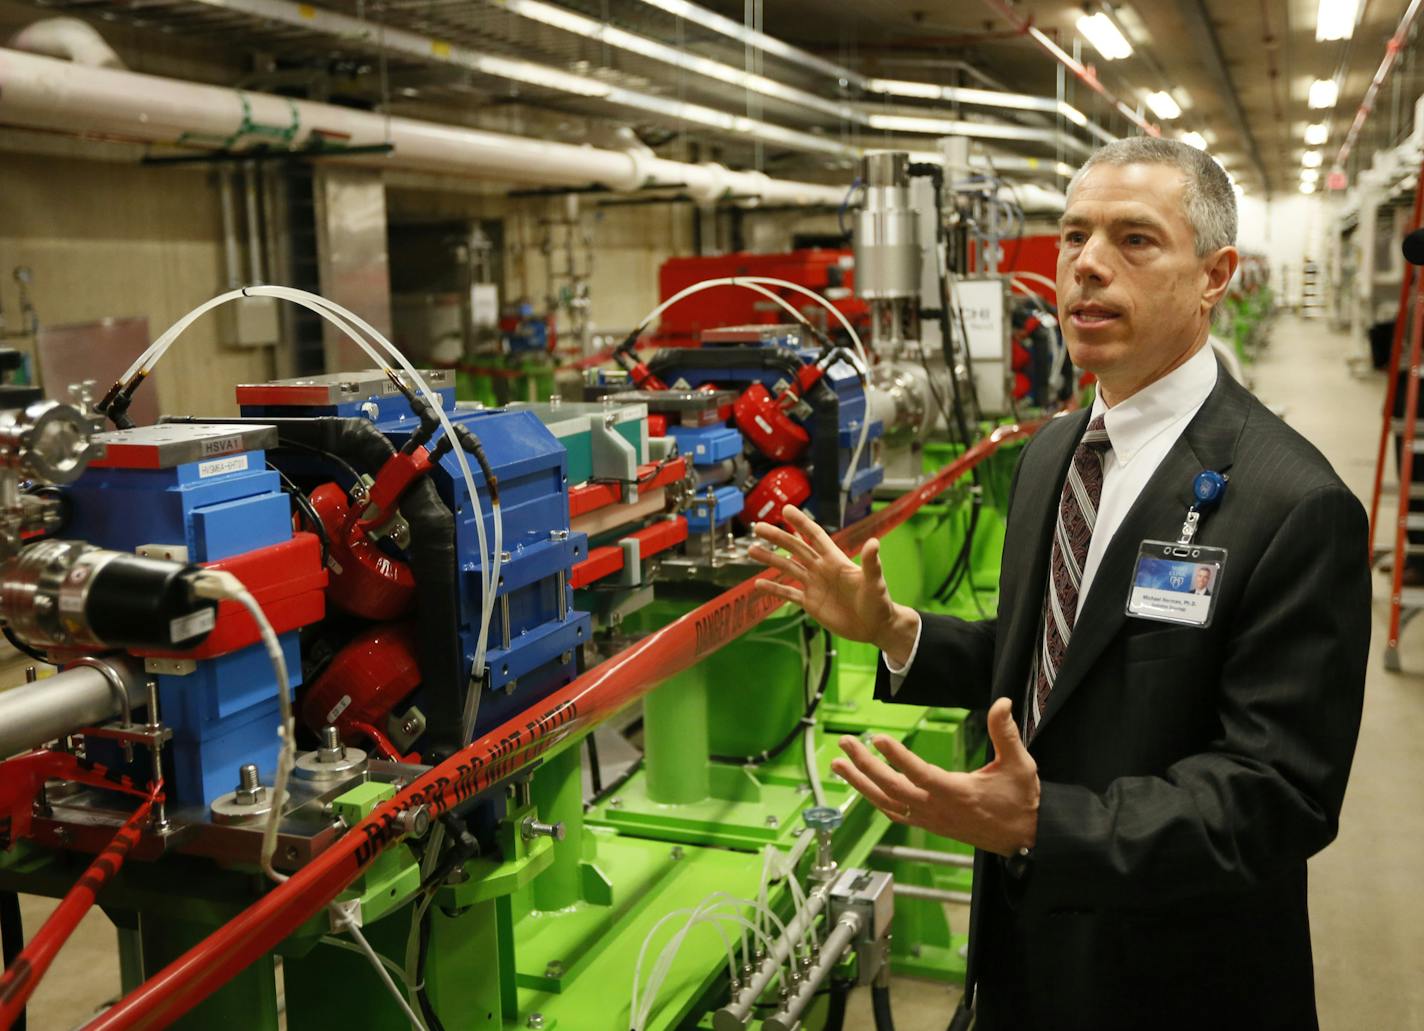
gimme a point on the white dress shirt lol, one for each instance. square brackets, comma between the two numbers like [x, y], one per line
[1141, 429]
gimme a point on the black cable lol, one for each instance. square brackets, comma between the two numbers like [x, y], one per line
[836, 1004]
[963, 561]
[472, 445]
[296, 445]
[308, 510]
[461, 846]
[880, 1005]
[595, 775]
[422, 996]
[12, 934]
[25, 649]
[615, 784]
[845, 203]
[960, 567]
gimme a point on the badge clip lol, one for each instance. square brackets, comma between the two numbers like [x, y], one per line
[1178, 581]
[1207, 489]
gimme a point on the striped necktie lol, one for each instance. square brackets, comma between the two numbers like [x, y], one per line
[1077, 511]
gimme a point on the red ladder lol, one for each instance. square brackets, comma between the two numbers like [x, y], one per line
[1408, 424]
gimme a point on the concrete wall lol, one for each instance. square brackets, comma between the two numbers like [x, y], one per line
[1287, 229]
[117, 239]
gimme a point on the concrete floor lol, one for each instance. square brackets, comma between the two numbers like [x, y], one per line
[1367, 910]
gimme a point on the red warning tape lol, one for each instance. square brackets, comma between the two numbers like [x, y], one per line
[500, 753]
[23, 975]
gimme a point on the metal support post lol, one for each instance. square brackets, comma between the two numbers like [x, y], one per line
[557, 794]
[675, 740]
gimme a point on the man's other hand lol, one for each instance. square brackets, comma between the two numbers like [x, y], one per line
[848, 600]
[994, 808]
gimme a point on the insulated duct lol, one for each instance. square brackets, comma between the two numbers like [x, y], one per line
[43, 93]
[69, 39]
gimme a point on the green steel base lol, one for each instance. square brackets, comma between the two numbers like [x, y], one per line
[935, 962]
[741, 812]
[575, 965]
[854, 710]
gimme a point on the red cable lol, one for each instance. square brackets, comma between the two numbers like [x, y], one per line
[500, 753]
[24, 975]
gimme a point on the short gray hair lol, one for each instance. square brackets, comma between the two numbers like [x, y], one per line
[1208, 200]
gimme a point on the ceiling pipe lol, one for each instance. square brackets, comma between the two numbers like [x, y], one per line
[69, 39]
[429, 48]
[1391, 54]
[391, 39]
[848, 79]
[43, 93]
[1085, 74]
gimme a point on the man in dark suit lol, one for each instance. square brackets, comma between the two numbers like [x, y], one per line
[1201, 583]
[1154, 789]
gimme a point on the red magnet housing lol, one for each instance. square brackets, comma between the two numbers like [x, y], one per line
[365, 581]
[784, 485]
[364, 683]
[762, 421]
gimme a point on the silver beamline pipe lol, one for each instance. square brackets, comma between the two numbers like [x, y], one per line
[43, 93]
[905, 854]
[81, 696]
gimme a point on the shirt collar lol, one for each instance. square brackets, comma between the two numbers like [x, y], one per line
[1133, 424]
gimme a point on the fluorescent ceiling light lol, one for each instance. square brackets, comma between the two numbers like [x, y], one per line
[1163, 106]
[1310, 159]
[1316, 134]
[589, 28]
[1324, 93]
[1335, 19]
[1107, 39]
[1309, 175]
[903, 88]
[1307, 187]
[1194, 139]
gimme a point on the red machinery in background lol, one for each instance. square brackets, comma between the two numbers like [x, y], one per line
[830, 273]
[1037, 254]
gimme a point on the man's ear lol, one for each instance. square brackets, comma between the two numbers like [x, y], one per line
[1220, 268]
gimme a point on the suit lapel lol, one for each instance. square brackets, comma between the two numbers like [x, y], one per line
[1209, 442]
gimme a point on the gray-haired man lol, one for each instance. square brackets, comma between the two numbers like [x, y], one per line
[1156, 781]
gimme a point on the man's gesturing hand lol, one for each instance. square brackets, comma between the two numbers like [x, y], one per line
[848, 600]
[994, 808]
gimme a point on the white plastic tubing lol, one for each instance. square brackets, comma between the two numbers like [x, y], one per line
[45, 93]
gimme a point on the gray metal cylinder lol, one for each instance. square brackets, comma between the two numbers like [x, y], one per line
[81, 696]
[841, 938]
[887, 231]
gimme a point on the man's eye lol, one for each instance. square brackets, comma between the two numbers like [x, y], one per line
[1074, 237]
[1137, 240]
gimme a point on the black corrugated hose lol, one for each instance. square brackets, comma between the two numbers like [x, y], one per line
[12, 934]
[880, 1005]
[836, 1004]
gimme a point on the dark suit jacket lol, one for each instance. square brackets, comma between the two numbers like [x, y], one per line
[1187, 773]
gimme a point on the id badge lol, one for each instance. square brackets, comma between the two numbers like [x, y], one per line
[1174, 582]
